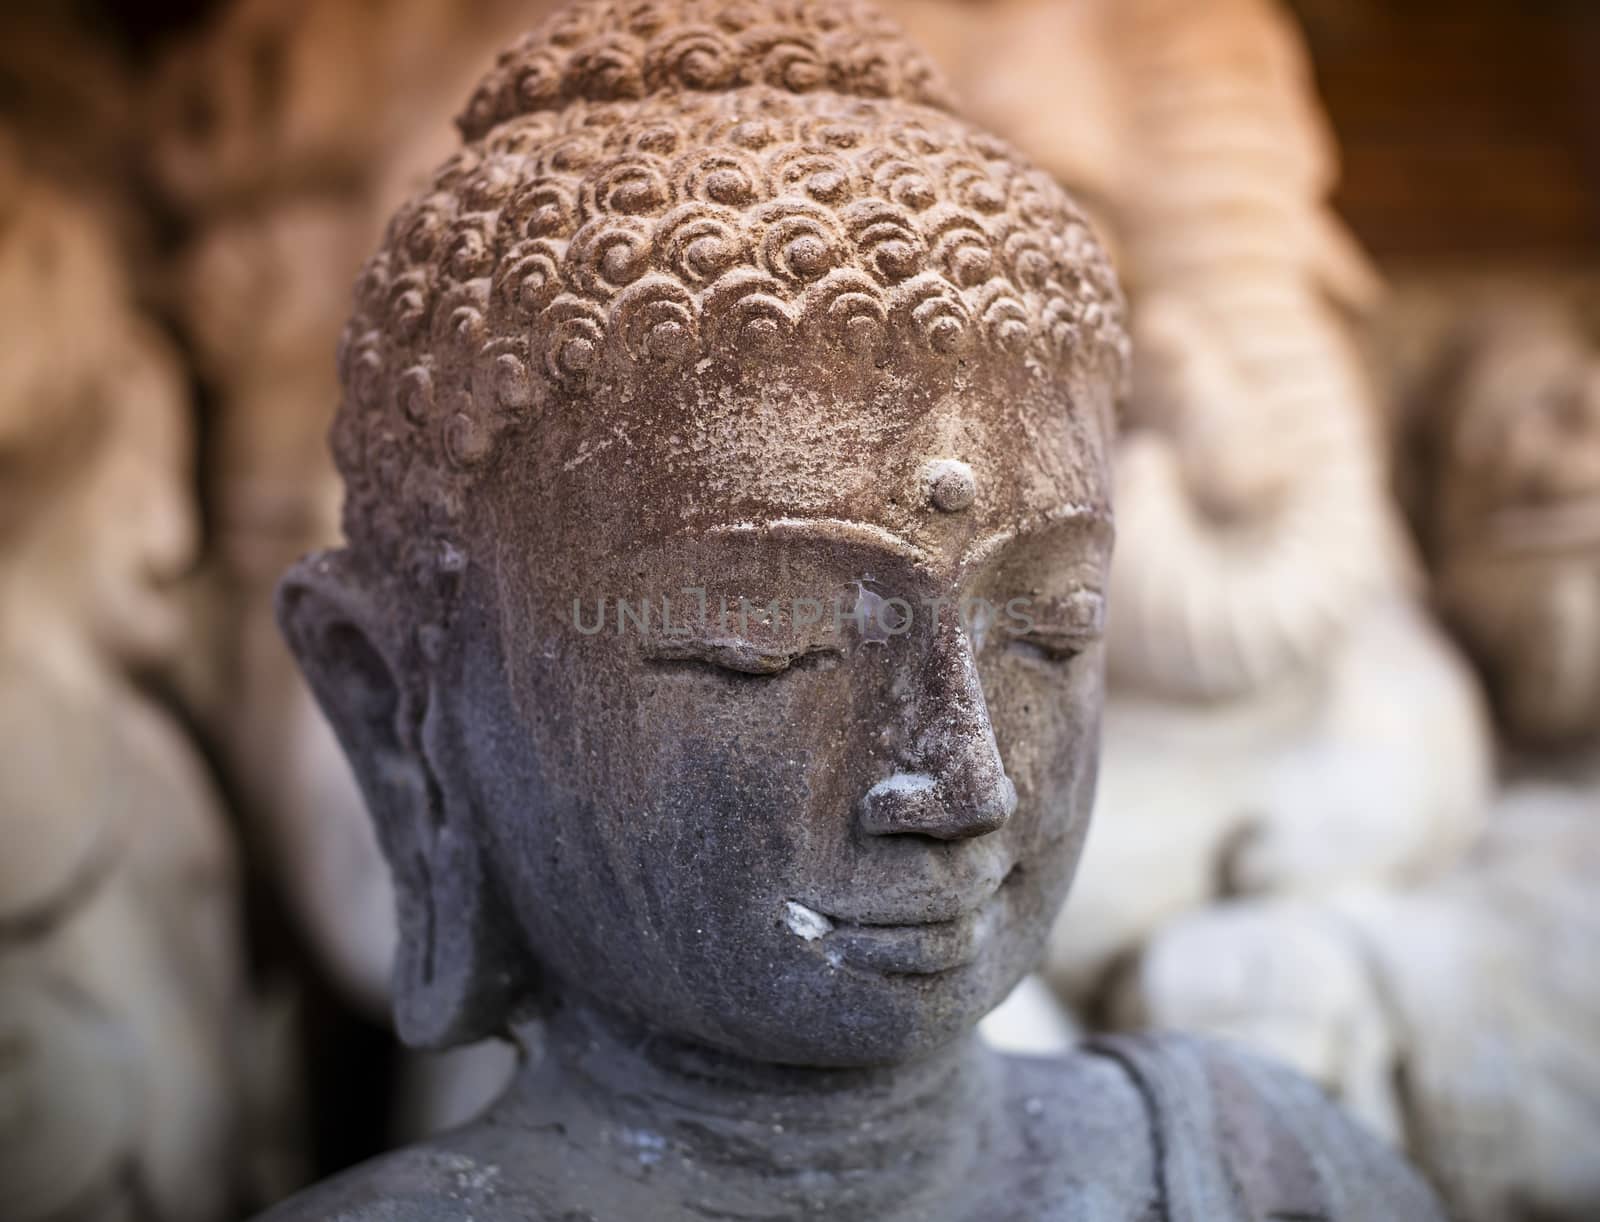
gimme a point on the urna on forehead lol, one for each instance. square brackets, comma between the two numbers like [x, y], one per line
[654, 196]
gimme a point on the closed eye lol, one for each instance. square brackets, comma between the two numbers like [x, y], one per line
[741, 657]
[1050, 650]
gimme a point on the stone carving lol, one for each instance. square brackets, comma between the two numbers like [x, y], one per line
[1460, 1017]
[636, 252]
[120, 983]
[1265, 643]
[715, 297]
[1511, 516]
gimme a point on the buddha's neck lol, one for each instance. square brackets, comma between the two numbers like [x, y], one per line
[759, 1140]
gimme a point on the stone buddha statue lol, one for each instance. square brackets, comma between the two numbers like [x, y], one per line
[717, 645]
[1511, 516]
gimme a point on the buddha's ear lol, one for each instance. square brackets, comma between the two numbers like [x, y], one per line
[452, 979]
[352, 655]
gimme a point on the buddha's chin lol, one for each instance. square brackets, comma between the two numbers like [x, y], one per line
[844, 1015]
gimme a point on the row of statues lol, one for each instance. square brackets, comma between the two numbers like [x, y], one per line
[706, 292]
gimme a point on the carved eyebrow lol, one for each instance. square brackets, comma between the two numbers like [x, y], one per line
[735, 653]
[1087, 517]
[832, 528]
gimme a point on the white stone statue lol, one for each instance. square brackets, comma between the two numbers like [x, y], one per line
[121, 991]
[1462, 1016]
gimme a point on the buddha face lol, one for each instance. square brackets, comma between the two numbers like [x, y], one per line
[817, 793]
[144, 534]
[93, 428]
[1518, 568]
[121, 530]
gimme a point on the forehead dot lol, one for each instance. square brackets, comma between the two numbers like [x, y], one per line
[951, 485]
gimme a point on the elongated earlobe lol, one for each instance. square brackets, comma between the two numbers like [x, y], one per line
[453, 978]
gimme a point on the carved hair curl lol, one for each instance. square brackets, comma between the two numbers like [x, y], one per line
[647, 185]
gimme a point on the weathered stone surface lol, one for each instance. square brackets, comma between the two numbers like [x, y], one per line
[689, 316]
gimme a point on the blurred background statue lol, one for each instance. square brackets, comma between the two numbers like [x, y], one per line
[1463, 1016]
[1507, 460]
[121, 986]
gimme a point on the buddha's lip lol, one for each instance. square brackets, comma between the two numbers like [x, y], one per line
[918, 947]
[964, 914]
[942, 914]
[911, 950]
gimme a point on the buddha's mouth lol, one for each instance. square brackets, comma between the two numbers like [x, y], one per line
[1562, 526]
[911, 948]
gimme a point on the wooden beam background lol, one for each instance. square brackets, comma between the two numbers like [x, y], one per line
[1470, 128]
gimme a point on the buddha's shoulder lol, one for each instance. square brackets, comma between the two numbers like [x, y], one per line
[1226, 1134]
[1148, 1128]
[453, 1177]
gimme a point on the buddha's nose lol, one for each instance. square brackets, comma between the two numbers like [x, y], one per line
[953, 784]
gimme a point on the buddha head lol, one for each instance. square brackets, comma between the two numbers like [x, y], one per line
[1513, 518]
[724, 435]
[96, 522]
